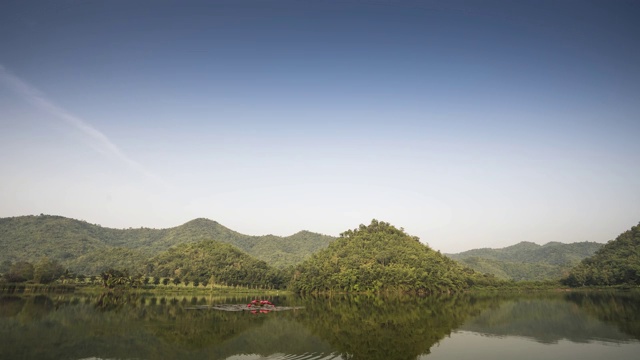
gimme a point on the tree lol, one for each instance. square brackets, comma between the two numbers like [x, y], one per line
[47, 271]
[118, 278]
[20, 271]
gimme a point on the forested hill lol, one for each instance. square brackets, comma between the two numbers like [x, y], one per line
[87, 248]
[211, 261]
[527, 260]
[378, 258]
[616, 263]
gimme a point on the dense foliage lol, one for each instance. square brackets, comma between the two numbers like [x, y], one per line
[617, 263]
[97, 262]
[517, 271]
[528, 261]
[114, 278]
[44, 271]
[90, 249]
[211, 261]
[378, 258]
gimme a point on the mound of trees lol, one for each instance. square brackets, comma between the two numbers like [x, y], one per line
[378, 258]
[211, 261]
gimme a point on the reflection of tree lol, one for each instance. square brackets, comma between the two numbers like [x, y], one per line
[197, 329]
[113, 300]
[37, 307]
[359, 327]
[11, 305]
[362, 327]
[113, 325]
[621, 309]
[545, 318]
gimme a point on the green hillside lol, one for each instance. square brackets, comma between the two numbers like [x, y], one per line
[508, 270]
[527, 260]
[377, 258]
[87, 248]
[212, 261]
[99, 261]
[616, 263]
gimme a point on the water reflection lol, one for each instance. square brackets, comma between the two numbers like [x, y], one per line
[549, 319]
[362, 327]
[125, 326]
[620, 309]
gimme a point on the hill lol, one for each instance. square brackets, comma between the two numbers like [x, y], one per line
[378, 258]
[89, 248]
[527, 260]
[212, 261]
[616, 263]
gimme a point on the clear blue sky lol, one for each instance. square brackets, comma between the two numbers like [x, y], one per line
[469, 123]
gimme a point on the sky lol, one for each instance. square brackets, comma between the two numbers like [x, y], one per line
[468, 123]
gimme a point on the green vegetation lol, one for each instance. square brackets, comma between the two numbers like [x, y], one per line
[375, 258]
[207, 262]
[617, 263]
[99, 261]
[113, 278]
[91, 249]
[19, 272]
[527, 261]
[47, 271]
[378, 258]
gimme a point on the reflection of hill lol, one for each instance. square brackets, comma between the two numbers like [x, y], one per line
[355, 327]
[619, 309]
[220, 334]
[128, 326]
[363, 327]
[278, 334]
[546, 320]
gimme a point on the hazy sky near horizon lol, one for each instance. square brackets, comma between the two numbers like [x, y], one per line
[468, 123]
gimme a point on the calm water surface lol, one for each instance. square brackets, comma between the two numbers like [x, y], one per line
[551, 326]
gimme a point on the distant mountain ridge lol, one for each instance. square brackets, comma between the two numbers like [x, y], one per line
[88, 248]
[527, 260]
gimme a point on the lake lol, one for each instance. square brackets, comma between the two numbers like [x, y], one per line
[560, 325]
